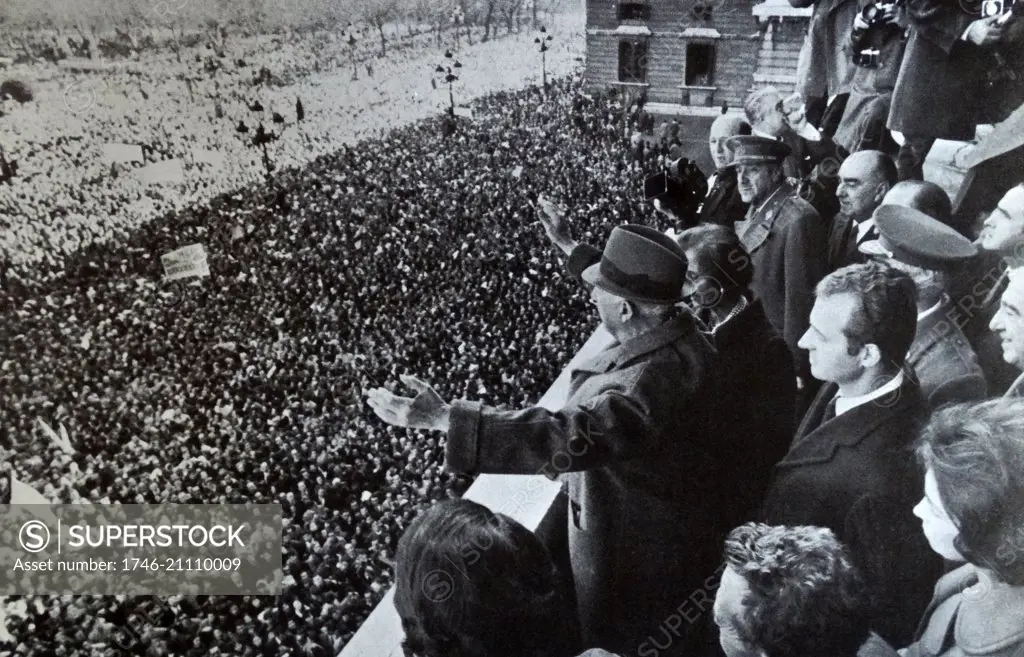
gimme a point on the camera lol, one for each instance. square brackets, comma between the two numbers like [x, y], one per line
[875, 13]
[876, 26]
[990, 8]
[679, 188]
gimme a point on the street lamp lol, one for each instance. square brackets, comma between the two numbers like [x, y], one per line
[450, 77]
[543, 54]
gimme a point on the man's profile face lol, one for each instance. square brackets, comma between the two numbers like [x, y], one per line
[609, 308]
[1004, 228]
[859, 191]
[728, 612]
[1008, 322]
[756, 181]
[828, 348]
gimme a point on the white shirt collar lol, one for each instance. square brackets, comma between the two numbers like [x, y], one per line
[864, 227]
[844, 404]
[930, 311]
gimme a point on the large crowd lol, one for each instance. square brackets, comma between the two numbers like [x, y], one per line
[247, 386]
[68, 194]
[814, 324]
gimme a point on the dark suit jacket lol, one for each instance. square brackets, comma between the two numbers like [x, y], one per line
[856, 474]
[843, 245]
[787, 243]
[757, 385]
[723, 204]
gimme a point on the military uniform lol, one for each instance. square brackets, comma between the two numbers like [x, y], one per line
[787, 243]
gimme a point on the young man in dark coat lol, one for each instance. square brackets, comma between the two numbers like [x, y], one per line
[850, 467]
[632, 443]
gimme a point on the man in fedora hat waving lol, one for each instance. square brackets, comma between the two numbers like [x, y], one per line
[632, 442]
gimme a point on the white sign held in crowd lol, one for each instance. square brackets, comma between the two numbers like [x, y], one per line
[205, 156]
[168, 171]
[463, 112]
[185, 262]
[122, 153]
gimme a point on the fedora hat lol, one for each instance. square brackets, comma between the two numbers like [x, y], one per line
[640, 264]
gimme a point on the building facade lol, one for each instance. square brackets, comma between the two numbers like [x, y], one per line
[696, 53]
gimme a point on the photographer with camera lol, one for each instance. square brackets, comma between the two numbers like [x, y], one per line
[677, 191]
[878, 40]
[945, 84]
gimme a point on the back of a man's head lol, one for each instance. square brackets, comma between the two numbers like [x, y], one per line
[924, 196]
[803, 596]
[472, 583]
[886, 311]
[758, 102]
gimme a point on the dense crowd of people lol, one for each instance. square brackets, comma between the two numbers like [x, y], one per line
[247, 386]
[68, 194]
[806, 338]
[836, 333]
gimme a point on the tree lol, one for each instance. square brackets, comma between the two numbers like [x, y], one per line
[378, 13]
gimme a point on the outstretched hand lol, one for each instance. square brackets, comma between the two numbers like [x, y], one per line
[424, 411]
[552, 217]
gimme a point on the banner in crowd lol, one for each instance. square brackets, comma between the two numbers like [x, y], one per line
[122, 153]
[463, 111]
[205, 156]
[185, 262]
[168, 171]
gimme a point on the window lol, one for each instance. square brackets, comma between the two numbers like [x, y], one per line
[634, 11]
[702, 11]
[700, 64]
[633, 61]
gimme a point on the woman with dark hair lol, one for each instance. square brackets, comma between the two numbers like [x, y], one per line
[472, 583]
[973, 512]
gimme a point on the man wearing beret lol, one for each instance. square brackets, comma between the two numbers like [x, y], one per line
[632, 442]
[940, 358]
[786, 239]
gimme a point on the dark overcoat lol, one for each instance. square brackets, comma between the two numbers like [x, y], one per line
[940, 83]
[787, 243]
[856, 474]
[757, 384]
[642, 469]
